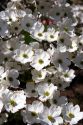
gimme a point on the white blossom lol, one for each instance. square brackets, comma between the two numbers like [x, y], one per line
[46, 91]
[72, 114]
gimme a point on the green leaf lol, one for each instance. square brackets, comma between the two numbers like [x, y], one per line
[28, 39]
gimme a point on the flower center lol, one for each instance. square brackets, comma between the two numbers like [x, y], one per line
[46, 93]
[33, 91]
[66, 75]
[28, 24]
[60, 61]
[16, 28]
[11, 49]
[71, 115]
[41, 61]
[66, 29]
[62, 40]
[25, 55]
[13, 103]
[51, 118]
[34, 114]
[51, 36]
[40, 34]
[40, 75]
[10, 79]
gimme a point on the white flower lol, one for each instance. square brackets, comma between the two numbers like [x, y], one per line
[51, 35]
[37, 31]
[66, 26]
[9, 46]
[79, 60]
[9, 78]
[56, 13]
[15, 28]
[14, 101]
[38, 76]
[68, 75]
[43, 6]
[61, 60]
[64, 42]
[59, 82]
[51, 115]
[13, 14]
[36, 107]
[27, 22]
[24, 54]
[31, 114]
[46, 91]
[40, 60]
[62, 101]
[72, 114]
[30, 90]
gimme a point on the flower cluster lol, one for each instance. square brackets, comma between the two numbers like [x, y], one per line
[38, 44]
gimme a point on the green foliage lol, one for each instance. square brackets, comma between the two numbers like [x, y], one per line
[28, 39]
